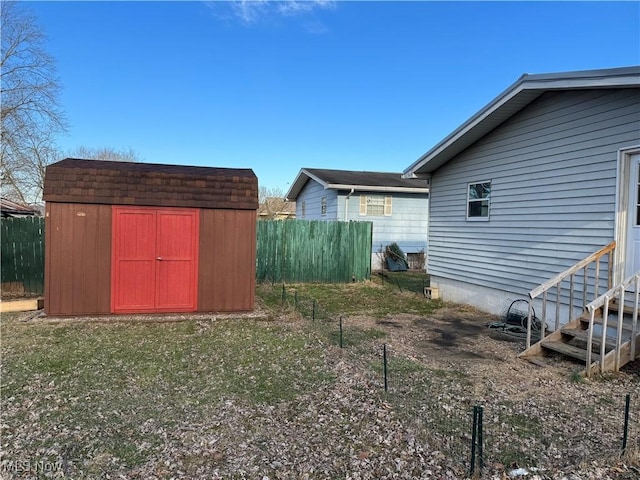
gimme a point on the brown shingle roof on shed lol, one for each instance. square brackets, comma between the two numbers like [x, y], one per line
[75, 180]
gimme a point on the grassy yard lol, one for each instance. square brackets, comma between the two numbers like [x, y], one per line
[276, 397]
[107, 396]
[395, 293]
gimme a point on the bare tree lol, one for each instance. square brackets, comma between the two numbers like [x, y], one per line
[40, 152]
[30, 112]
[272, 203]
[269, 192]
[105, 153]
[26, 177]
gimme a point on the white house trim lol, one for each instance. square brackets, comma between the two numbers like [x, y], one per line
[622, 199]
[370, 188]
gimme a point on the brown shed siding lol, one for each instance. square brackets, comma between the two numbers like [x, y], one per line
[77, 259]
[227, 270]
[80, 195]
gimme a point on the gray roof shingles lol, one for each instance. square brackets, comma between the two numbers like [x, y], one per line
[373, 179]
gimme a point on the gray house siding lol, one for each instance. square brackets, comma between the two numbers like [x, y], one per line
[407, 224]
[552, 168]
[311, 196]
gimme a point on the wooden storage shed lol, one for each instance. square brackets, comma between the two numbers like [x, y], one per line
[125, 237]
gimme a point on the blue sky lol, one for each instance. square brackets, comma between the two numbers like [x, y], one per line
[277, 86]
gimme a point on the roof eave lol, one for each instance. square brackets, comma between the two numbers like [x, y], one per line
[300, 181]
[526, 89]
[442, 147]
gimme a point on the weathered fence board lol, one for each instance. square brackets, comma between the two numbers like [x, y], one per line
[299, 251]
[22, 253]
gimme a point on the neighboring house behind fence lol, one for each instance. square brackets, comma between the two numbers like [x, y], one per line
[397, 207]
[274, 208]
[11, 209]
[543, 176]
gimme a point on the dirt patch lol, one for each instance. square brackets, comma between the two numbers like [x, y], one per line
[459, 337]
[389, 323]
[458, 340]
[451, 335]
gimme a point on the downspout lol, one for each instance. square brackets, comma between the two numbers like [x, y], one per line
[346, 205]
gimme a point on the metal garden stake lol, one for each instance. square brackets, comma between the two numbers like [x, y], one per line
[384, 366]
[476, 440]
[625, 435]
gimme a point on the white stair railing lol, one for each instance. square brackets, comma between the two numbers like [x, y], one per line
[557, 284]
[603, 302]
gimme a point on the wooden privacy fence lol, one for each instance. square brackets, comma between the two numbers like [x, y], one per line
[299, 251]
[22, 250]
[293, 251]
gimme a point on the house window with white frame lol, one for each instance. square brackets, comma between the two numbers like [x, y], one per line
[478, 200]
[323, 206]
[375, 205]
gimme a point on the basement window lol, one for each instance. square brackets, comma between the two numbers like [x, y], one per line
[478, 200]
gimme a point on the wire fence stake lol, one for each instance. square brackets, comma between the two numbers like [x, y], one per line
[340, 332]
[625, 435]
[474, 431]
[477, 450]
[384, 366]
[480, 442]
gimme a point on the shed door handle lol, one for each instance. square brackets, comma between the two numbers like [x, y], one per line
[158, 258]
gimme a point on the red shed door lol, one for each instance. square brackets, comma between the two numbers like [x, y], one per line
[154, 260]
[176, 248]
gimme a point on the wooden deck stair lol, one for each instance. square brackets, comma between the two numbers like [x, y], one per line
[583, 338]
[572, 340]
[615, 307]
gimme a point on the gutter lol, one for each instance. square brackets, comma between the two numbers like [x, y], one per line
[371, 188]
[346, 205]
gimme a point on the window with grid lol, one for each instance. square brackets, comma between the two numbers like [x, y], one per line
[478, 200]
[375, 205]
